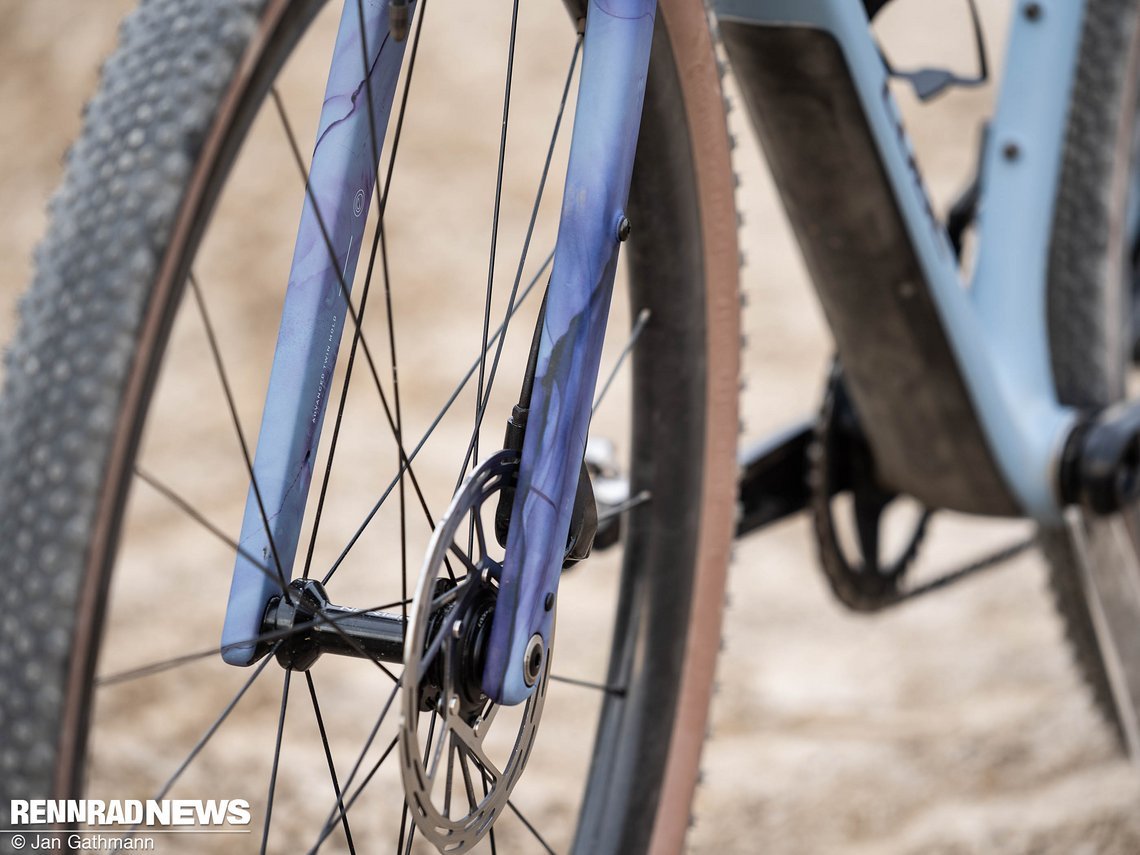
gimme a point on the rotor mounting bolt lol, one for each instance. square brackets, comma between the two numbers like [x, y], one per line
[533, 658]
[623, 229]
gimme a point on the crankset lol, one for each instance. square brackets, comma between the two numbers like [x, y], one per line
[841, 468]
[842, 464]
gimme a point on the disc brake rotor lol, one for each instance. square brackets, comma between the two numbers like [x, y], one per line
[455, 789]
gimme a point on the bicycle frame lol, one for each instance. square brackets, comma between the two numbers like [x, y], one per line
[995, 329]
[1000, 368]
[344, 164]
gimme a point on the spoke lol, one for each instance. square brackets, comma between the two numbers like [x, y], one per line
[634, 335]
[201, 302]
[480, 534]
[352, 313]
[331, 822]
[448, 595]
[399, 422]
[382, 203]
[274, 635]
[464, 559]
[438, 755]
[403, 107]
[445, 697]
[403, 828]
[367, 779]
[617, 691]
[473, 745]
[472, 801]
[276, 760]
[485, 399]
[625, 507]
[366, 67]
[432, 649]
[213, 728]
[495, 221]
[450, 775]
[514, 809]
[379, 239]
[491, 833]
[200, 518]
[435, 423]
[329, 760]
[530, 827]
[427, 751]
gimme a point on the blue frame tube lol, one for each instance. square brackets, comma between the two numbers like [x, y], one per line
[615, 62]
[342, 176]
[996, 327]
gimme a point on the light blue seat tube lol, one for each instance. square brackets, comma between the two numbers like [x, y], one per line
[619, 34]
[342, 176]
[997, 326]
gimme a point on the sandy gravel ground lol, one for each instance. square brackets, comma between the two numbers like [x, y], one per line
[956, 725]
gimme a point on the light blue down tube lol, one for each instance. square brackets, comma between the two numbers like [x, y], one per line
[342, 177]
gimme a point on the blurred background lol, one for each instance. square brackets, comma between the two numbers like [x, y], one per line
[953, 725]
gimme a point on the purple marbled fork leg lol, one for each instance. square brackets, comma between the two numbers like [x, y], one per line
[341, 176]
[615, 61]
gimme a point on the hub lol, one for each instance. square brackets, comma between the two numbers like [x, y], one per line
[468, 621]
[312, 626]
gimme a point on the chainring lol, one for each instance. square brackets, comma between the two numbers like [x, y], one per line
[840, 461]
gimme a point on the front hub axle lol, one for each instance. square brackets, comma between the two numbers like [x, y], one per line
[311, 626]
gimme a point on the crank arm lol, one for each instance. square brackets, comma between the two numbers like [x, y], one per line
[342, 176]
[619, 34]
[774, 478]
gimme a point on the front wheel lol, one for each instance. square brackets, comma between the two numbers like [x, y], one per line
[123, 477]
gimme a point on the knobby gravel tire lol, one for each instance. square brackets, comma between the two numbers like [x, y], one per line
[1088, 301]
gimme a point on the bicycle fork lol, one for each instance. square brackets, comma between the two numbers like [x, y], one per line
[342, 174]
[593, 225]
[338, 195]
